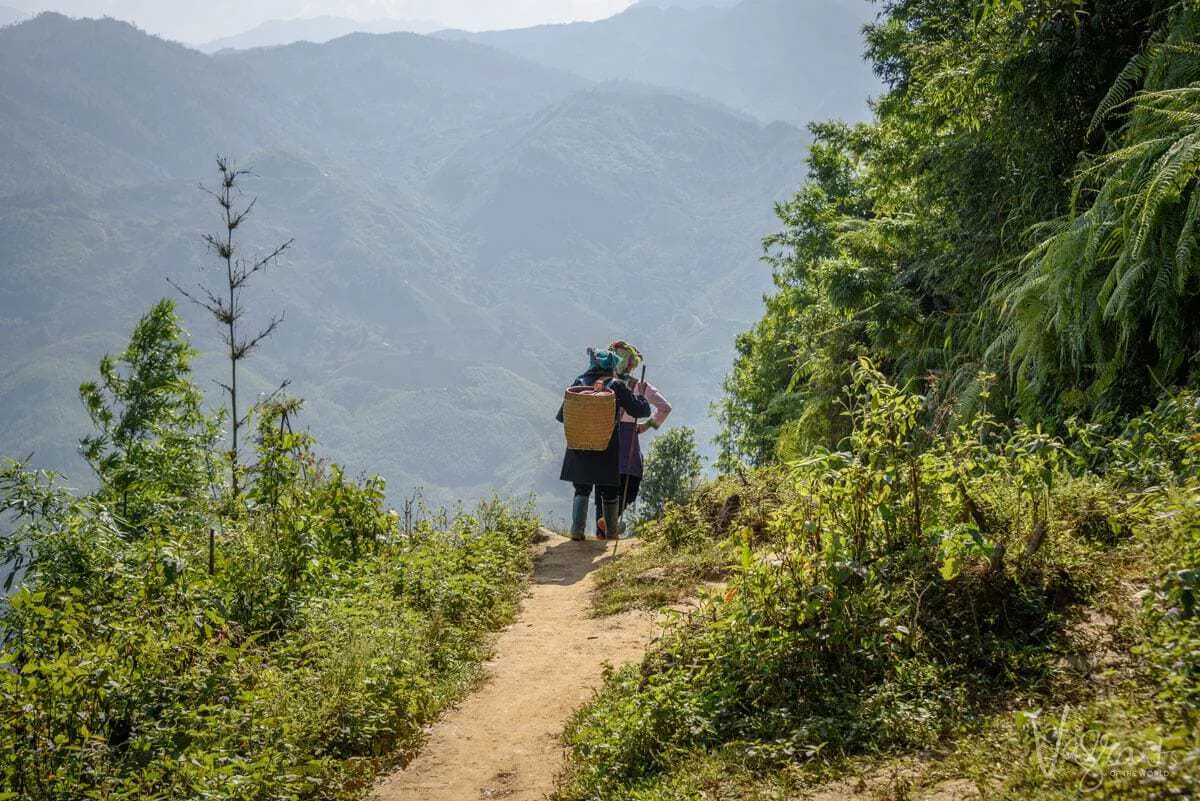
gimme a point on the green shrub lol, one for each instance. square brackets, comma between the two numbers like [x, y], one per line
[672, 472]
[895, 594]
[842, 628]
[279, 643]
[143, 688]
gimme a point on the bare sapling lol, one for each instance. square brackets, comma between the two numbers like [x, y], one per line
[225, 303]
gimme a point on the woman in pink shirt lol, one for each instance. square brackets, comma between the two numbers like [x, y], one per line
[630, 456]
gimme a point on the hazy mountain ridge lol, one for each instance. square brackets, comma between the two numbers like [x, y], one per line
[70, 111]
[399, 98]
[466, 223]
[319, 29]
[774, 59]
[686, 3]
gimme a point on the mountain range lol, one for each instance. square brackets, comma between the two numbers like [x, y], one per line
[313, 29]
[466, 222]
[773, 59]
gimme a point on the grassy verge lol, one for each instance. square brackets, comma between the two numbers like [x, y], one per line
[1097, 727]
[144, 684]
[654, 576]
[689, 549]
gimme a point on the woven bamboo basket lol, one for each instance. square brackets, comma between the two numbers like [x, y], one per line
[588, 418]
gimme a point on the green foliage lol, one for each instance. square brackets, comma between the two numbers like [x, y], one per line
[1140, 738]
[1157, 448]
[672, 471]
[899, 593]
[288, 656]
[906, 244]
[154, 678]
[793, 365]
[48, 531]
[1172, 609]
[840, 630]
[1105, 301]
[717, 508]
[153, 444]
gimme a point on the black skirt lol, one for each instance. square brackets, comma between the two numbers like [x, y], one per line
[594, 467]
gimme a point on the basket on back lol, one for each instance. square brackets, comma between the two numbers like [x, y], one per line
[589, 416]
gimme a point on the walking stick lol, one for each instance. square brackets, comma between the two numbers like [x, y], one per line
[625, 475]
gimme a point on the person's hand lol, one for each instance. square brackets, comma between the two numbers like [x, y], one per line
[643, 428]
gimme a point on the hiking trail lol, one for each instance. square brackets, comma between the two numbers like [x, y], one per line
[502, 741]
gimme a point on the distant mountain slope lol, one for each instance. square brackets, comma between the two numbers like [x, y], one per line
[399, 102]
[465, 222]
[313, 29]
[686, 3]
[775, 59]
[96, 103]
[624, 211]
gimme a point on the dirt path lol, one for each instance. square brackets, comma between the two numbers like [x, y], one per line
[503, 742]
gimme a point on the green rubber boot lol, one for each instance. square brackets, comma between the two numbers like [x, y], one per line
[612, 520]
[579, 511]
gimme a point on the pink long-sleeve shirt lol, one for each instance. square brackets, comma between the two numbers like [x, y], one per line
[661, 407]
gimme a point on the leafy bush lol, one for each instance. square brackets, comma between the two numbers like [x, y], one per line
[896, 592]
[153, 447]
[842, 628]
[169, 641]
[672, 472]
[158, 679]
[1159, 447]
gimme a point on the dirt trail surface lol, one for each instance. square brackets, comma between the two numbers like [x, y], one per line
[503, 741]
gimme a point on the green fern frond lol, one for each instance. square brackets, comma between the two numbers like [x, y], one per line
[1186, 246]
[1123, 87]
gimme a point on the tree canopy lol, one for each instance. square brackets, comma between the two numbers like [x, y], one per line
[1022, 205]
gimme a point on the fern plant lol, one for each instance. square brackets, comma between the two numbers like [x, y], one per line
[1110, 291]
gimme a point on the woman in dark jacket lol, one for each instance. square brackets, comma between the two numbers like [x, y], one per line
[631, 428]
[602, 468]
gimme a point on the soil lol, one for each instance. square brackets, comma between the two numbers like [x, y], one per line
[504, 741]
[904, 779]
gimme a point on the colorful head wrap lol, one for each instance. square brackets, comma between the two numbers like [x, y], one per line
[604, 360]
[630, 356]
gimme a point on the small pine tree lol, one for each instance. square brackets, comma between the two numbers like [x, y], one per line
[152, 443]
[672, 471]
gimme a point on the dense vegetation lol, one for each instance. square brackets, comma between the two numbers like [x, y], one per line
[962, 231]
[171, 638]
[959, 526]
[672, 470]
[908, 593]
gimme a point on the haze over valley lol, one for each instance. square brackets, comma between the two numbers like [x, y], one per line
[469, 212]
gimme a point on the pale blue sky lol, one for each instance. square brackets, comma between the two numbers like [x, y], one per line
[202, 20]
